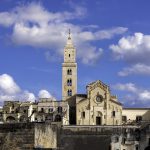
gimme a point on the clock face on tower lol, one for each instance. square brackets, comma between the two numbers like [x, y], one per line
[99, 98]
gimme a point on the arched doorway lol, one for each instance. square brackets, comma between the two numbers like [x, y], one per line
[58, 118]
[23, 119]
[99, 118]
[10, 119]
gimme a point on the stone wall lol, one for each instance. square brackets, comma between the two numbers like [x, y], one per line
[45, 136]
[29, 136]
[87, 137]
[17, 136]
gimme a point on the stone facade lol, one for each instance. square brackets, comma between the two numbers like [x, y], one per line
[97, 107]
[15, 111]
[53, 111]
[132, 115]
[44, 110]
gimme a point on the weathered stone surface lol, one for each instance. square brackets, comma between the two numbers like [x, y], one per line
[45, 136]
[40, 136]
[17, 136]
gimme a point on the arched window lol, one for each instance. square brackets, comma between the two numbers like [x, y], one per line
[69, 92]
[58, 118]
[69, 55]
[59, 109]
[69, 82]
[10, 119]
[69, 72]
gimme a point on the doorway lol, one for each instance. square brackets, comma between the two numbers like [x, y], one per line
[98, 121]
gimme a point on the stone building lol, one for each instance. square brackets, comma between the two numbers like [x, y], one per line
[95, 119]
[96, 107]
[69, 70]
[15, 111]
[132, 138]
[53, 111]
[44, 110]
[135, 115]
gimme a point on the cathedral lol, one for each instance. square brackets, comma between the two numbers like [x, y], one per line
[97, 107]
[95, 119]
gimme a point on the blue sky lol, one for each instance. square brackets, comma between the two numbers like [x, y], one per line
[111, 37]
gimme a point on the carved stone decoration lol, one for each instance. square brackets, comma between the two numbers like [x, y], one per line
[99, 98]
[96, 84]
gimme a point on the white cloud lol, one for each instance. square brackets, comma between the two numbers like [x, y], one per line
[9, 19]
[92, 55]
[130, 87]
[135, 96]
[135, 69]
[28, 96]
[110, 33]
[8, 85]
[44, 94]
[35, 13]
[35, 26]
[145, 95]
[9, 90]
[135, 48]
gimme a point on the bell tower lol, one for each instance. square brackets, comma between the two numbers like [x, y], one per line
[69, 70]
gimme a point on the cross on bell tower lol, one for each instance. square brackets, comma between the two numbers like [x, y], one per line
[69, 70]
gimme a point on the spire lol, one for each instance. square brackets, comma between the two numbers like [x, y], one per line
[69, 41]
[69, 37]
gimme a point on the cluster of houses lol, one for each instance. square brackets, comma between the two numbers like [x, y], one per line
[45, 109]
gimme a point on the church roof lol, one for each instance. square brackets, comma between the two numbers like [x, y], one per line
[24, 104]
[96, 82]
[84, 99]
[126, 108]
[116, 102]
[82, 95]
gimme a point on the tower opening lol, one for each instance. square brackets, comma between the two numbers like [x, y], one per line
[69, 92]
